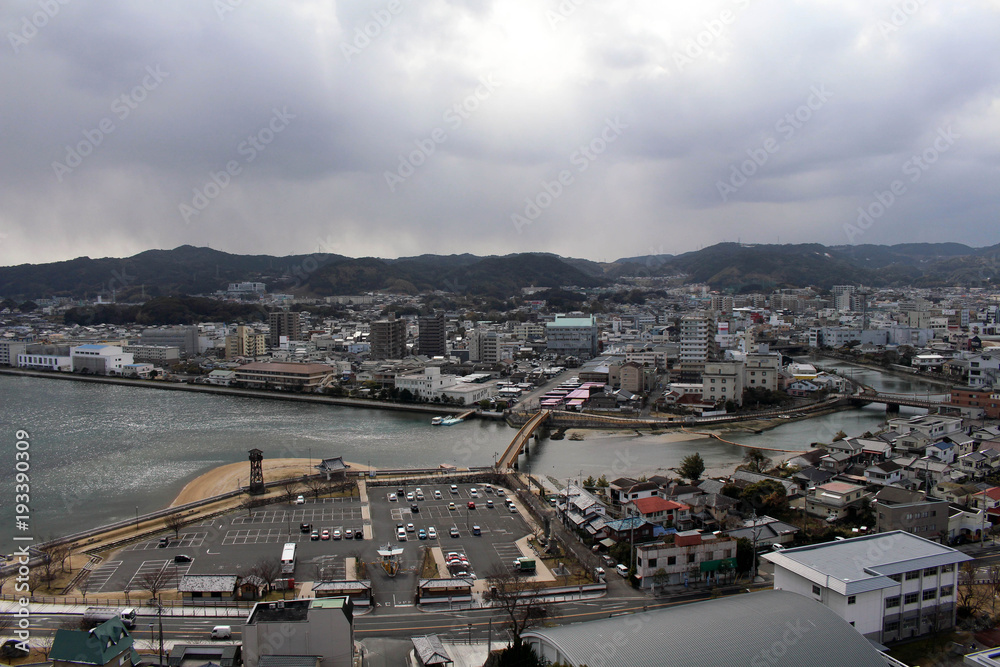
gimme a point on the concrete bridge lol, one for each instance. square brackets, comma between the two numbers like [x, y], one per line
[893, 401]
[508, 460]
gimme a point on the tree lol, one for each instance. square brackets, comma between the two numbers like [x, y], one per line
[692, 466]
[660, 579]
[316, 485]
[602, 482]
[268, 569]
[517, 598]
[289, 489]
[755, 461]
[840, 435]
[521, 655]
[766, 497]
[971, 596]
[174, 522]
[155, 581]
[744, 555]
[590, 482]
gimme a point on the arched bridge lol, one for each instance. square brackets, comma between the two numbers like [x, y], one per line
[889, 399]
[509, 456]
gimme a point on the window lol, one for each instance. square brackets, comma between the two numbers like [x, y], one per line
[896, 577]
[817, 590]
[911, 598]
[948, 568]
[930, 594]
[671, 560]
[913, 574]
[892, 626]
[690, 558]
[638, 561]
[930, 572]
[652, 562]
[851, 599]
[946, 591]
[892, 602]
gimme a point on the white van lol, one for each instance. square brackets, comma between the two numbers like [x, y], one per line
[621, 569]
[222, 632]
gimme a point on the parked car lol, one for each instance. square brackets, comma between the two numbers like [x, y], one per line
[314, 536]
[392, 497]
[222, 632]
[453, 532]
[422, 534]
[13, 648]
[348, 534]
[164, 541]
[473, 493]
[415, 508]
[325, 535]
[337, 534]
[489, 503]
[359, 534]
[305, 527]
[409, 496]
[454, 488]
[401, 535]
[471, 505]
[409, 528]
[437, 494]
[451, 506]
[182, 558]
[301, 500]
[476, 530]
[432, 533]
[622, 569]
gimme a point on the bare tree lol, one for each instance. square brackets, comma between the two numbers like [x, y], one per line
[268, 569]
[43, 643]
[289, 489]
[518, 598]
[248, 502]
[155, 582]
[316, 485]
[971, 595]
[174, 522]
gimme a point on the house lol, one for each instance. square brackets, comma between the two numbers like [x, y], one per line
[965, 525]
[801, 388]
[988, 499]
[981, 463]
[208, 587]
[632, 529]
[810, 477]
[807, 459]
[430, 652]
[192, 655]
[955, 493]
[710, 510]
[833, 500]
[107, 645]
[687, 557]
[889, 586]
[765, 531]
[222, 378]
[930, 426]
[945, 450]
[763, 628]
[791, 488]
[884, 474]
[320, 628]
[659, 510]
[898, 509]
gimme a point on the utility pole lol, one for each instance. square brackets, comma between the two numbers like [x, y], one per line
[159, 613]
[756, 532]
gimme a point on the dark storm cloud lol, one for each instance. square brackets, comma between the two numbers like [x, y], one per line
[391, 127]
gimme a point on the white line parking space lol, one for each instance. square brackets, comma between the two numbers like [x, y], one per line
[507, 552]
[185, 540]
[174, 572]
[312, 515]
[100, 576]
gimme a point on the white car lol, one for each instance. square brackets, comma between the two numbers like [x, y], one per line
[454, 488]
[432, 533]
[437, 494]
[392, 497]
[473, 493]
[301, 500]
[401, 535]
[409, 496]
[409, 528]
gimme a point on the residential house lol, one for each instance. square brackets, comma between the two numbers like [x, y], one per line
[945, 450]
[107, 645]
[765, 531]
[930, 426]
[807, 459]
[689, 557]
[989, 499]
[966, 525]
[667, 513]
[710, 511]
[910, 511]
[884, 474]
[833, 500]
[955, 493]
[980, 464]
[632, 529]
[889, 586]
[810, 477]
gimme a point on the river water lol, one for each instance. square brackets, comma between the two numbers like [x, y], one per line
[99, 453]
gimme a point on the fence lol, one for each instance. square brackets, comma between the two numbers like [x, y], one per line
[139, 603]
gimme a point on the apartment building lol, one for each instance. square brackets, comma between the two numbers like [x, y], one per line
[431, 335]
[572, 336]
[284, 323]
[245, 342]
[889, 586]
[388, 339]
[689, 557]
[694, 347]
[722, 381]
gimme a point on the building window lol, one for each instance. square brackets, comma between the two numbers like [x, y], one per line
[851, 599]
[652, 562]
[911, 598]
[690, 558]
[913, 574]
[817, 590]
[946, 591]
[930, 594]
[892, 602]
[892, 626]
[930, 572]
[671, 560]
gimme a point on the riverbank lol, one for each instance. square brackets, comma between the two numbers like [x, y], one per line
[895, 372]
[232, 476]
[244, 393]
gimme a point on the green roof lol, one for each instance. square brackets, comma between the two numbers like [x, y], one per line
[94, 647]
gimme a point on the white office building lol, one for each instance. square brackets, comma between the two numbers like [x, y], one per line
[889, 586]
[100, 359]
[572, 336]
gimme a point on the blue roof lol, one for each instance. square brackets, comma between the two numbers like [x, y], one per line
[944, 444]
[630, 523]
[90, 346]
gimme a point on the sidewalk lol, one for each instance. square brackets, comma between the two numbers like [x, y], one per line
[10, 607]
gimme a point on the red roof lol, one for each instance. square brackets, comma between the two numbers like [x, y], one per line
[657, 504]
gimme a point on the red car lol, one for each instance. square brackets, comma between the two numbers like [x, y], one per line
[471, 505]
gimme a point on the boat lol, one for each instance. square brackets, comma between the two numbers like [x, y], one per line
[450, 421]
[436, 421]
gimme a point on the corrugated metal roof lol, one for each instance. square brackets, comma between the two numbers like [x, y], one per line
[769, 627]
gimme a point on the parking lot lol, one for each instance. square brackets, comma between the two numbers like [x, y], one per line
[231, 543]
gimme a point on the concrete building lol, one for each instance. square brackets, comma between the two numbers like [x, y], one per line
[99, 359]
[9, 349]
[761, 371]
[910, 511]
[572, 336]
[320, 628]
[637, 378]
[686, 557]
[834, 500]
[245, 342]
[427, 383]
[162, 355]
[44, 357]
[284, 323]
[388, 339]
[484, 347]
[694, 347]
[722, 381]
[185, 338]
[889, 586]
[985, 399]
[432, 335]
[305, 377]
[247, 288]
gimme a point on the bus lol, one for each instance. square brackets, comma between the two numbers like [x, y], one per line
[288, 558]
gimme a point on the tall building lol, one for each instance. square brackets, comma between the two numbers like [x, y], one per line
[572, 336]
[484, 347]
[842, 297]
[694, 346]
[245, 342]
[9, 349]
[185, 338]
[285, 323]
[431, 339]
[723, 381]
[388, 339]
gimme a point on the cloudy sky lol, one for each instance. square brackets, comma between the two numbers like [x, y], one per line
[398, 127]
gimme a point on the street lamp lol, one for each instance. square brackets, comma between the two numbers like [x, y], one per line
[137, 518]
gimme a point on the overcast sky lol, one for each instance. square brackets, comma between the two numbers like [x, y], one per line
[398, 127]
